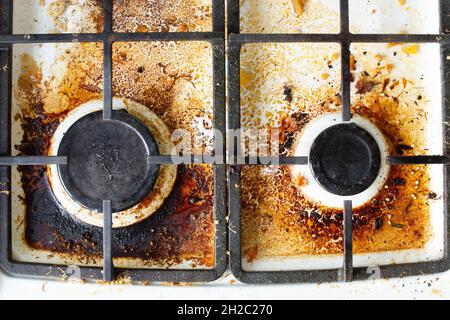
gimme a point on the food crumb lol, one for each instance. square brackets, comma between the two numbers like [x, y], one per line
[299, 6]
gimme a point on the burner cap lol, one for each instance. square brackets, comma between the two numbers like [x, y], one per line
[345, 159]
[108, 160]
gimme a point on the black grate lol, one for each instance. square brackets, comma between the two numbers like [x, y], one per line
[108, 37]
[345, 39]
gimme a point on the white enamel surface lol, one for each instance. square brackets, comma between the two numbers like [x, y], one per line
[31, 17]
[313, 190]
[388, 16]
[268, 16]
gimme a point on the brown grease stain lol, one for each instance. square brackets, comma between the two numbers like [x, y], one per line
[182, 229]
[279, 221]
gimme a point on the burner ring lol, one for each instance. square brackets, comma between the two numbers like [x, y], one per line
[108, 159]
[155, 198]
[312, 189]
[345, 159]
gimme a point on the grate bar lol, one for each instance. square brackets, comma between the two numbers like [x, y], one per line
[32, 161]
[345, 82]
[233, 38]
[348, 242]
[398, 38]
[417, 160]
[344, 17]
[108, 267]
[107, 61]
[233, 18]
[170, 160]
[337, 38]
[6, 16]
[219, 118]
[234, 99]
[218, 17]
[117, 37]
[234, 222]
[444, 13]
[345, 62]
[5, 98]
[52, 38]
[199, 159]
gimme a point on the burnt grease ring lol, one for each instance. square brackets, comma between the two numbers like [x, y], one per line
[345, 159]
[108, 159]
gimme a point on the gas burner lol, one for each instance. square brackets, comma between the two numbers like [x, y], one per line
[108, 159]
[347, 159]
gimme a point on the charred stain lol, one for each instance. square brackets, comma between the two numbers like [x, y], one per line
[402, 148]
[166, 236]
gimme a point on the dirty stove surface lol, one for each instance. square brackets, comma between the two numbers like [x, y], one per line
[287, 221]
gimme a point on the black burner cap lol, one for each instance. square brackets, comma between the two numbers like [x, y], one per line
[345, 159]
[108, 160]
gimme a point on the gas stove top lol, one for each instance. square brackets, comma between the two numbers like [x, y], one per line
[346, 180]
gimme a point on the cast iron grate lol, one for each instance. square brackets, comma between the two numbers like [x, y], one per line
[347, 273]
[108, 273]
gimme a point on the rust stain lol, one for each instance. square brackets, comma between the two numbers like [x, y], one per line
[183, 228]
